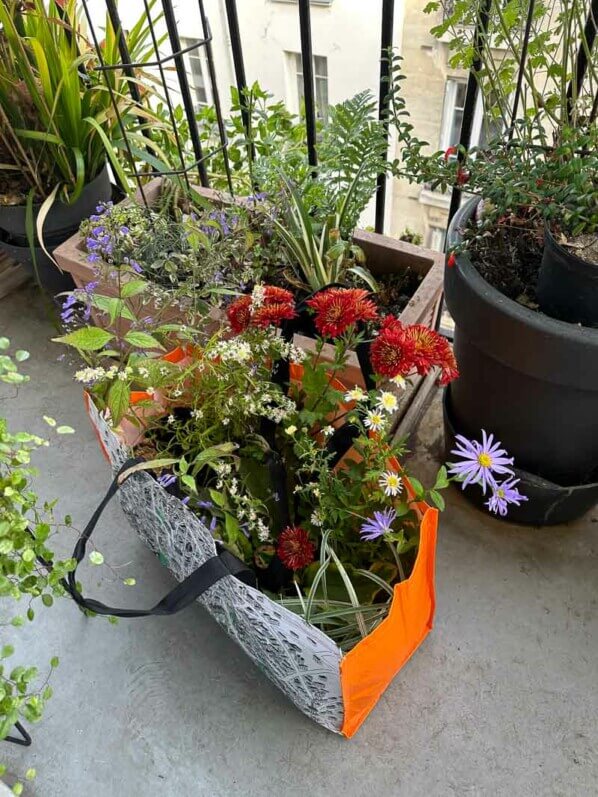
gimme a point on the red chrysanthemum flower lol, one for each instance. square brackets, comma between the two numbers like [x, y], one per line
[277, 295]
[239, 314]
[336, 309]
[432, 350]
[446, 361]
[295, 550]
[392, 353]
[272, 313]
[451, 261]
[274, 306]
[426, 343]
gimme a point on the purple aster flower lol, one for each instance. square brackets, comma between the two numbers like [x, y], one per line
[136, 267]
[379, 525]
[124, 230]
[205, 504]
[166, 479]
[481, 461]
[95, 218]
[504, 494]
[93, 257]
[91, 243]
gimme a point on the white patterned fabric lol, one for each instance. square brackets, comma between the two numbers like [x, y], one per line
[301, 660]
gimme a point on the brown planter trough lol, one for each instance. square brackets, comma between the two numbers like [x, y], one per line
[384, 255]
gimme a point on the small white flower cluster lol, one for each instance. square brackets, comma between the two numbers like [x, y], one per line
[223, 469]
[89, 376]
[233, 350]
[197, 414]
[246, 513]
[276, 406]
[287, 350]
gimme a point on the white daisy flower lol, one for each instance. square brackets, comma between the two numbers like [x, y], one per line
[290, 430]
[391, 483]
[328, 430]
[171, 419]
[374, 420]
[316, 518]
[387, 401]
[356, 394]
[399, 381]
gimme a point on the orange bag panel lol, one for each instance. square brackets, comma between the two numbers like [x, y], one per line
[371, 665]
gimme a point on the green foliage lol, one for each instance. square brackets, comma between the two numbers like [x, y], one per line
[26, 527]
[58, 124]
[530, 178]
[556, 37]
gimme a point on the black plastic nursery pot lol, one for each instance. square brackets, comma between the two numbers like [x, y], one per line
[61, 222]
[532, 381]
[567, 285]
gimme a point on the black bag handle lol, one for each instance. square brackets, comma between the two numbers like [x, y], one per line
[224, 563]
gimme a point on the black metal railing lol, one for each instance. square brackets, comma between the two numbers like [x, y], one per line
[480, 41]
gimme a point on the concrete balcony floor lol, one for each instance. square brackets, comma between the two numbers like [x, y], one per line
[501, 699]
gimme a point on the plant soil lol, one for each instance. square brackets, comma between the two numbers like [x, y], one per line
[395, 290]
[583, 246]
[509, 258]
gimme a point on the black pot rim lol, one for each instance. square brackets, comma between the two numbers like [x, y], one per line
[481, 310]
[87, 186]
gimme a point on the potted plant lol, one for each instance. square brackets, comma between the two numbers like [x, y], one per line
[525, 373]
[58, 126]
[245, 440]
[350, 148]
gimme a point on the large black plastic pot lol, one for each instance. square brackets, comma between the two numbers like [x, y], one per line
[567, 285]
[61, 222]
[531, 380]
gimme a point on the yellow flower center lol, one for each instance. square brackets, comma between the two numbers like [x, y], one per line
[485, 460]
[500, 493]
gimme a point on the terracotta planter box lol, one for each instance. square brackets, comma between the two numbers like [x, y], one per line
[385, 255]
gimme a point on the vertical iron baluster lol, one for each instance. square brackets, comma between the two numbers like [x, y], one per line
[479, 42]
[114, 103]
[585, 46]
[307, 61]
[237, 51]
[207, 34]
[166, 94]
[522, 60]
[175, 43]
[386, 40]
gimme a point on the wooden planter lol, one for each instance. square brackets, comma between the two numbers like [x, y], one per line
[384, 255]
